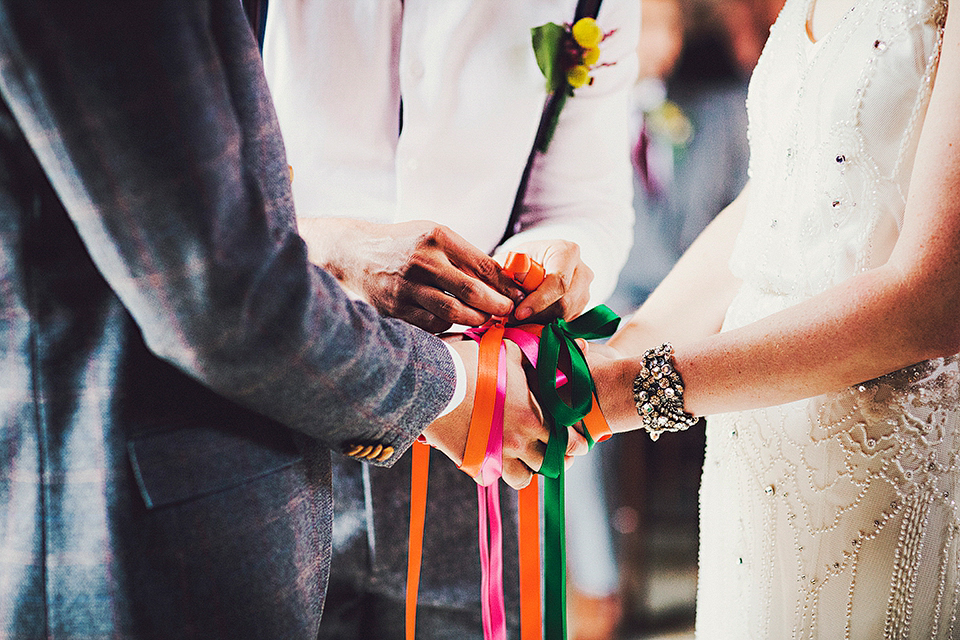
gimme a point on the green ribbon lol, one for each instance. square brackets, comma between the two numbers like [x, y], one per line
[555, 552]
[599, 322]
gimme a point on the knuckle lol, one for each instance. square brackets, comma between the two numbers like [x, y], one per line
[563, 280]
[446, 306]
[433, 237]
[392, 308]
[387, 303]
[568, 248]
[398, 295]
[585, 272]
[487, 269]
[467, 290]
[436, 325]
[419, 262]
[510, 441]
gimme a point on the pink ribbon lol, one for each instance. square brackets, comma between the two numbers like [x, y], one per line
[493, 608]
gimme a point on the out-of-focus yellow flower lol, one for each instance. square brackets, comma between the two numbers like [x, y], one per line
[578, 76]
[587, 33]
[669, 122]
[591, 56]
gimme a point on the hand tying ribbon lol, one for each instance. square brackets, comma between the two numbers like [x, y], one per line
[541, 347]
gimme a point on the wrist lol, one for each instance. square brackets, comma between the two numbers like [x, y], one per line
[658, 392]
[448, 432]
[460, 388]
[614, 379]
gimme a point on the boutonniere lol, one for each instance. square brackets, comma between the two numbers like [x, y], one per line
[567, 54]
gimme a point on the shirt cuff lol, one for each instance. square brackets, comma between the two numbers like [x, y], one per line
[460, 392]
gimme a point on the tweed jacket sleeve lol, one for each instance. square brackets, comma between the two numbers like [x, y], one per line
[160, 139]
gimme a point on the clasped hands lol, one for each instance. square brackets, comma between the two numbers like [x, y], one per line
[431, 277]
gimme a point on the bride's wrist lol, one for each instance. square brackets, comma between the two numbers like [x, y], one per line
[613, 378]
[658, 393]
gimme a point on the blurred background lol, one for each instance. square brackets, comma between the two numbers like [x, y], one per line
[632, 506]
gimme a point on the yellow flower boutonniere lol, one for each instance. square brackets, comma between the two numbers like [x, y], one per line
[567, 54]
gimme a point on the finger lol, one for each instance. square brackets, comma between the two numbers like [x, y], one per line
[472, 292]
[420, 317]
[516, 474]
[561, 295]
[550, 291]
[449, 308]
[531, 453]
[576, 443]
[469, 259]
[434, 269]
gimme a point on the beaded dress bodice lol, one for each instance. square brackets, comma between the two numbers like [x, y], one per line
[834, 517]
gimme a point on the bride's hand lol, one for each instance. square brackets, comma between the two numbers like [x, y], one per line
[600, 350]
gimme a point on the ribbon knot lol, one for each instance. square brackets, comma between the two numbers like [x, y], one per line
[560, 336]
[542, 346]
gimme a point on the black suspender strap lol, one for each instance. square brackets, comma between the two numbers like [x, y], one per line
[585, 9]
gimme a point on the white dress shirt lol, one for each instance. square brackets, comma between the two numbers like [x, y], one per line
[472, 98]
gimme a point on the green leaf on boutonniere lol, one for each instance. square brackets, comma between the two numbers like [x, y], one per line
[547, 42]
[566, 55]
[546, 45]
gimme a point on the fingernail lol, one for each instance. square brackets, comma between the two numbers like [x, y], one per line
[523, 313]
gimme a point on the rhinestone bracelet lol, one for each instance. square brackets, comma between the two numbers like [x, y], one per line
[658, 392]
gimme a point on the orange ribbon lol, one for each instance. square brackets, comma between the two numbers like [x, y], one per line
[529, 275]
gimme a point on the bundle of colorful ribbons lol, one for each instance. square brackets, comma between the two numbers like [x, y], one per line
[543, 347]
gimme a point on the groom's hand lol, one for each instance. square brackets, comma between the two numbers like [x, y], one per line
[417, 271]
[524, 434]
[565, 289]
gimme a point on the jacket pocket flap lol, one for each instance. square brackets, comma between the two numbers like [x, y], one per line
[174, 466]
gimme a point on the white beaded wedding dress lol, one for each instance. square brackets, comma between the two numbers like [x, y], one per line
[834, 517]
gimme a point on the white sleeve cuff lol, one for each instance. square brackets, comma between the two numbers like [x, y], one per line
[460, 392]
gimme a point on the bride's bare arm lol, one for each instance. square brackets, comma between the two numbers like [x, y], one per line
[700, 280]
[903, 312]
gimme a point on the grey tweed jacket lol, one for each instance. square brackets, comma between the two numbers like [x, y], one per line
[173, 372]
